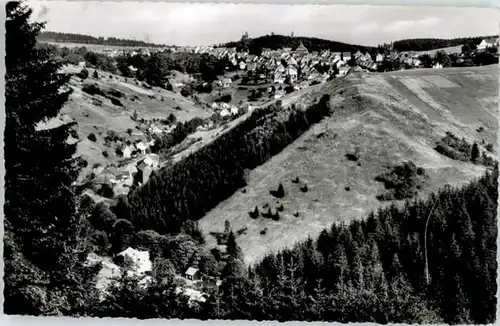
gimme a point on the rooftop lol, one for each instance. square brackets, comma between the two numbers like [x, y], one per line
[191, 271]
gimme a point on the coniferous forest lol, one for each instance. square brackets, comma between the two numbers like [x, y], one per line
[373, 270]
[428, 260]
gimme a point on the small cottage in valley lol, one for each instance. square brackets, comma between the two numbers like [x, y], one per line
[193, 274]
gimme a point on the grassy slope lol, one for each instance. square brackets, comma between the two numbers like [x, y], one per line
[389, 117]
[99, 119]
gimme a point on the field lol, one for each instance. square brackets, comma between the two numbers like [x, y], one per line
[387, 118]
[451, 49]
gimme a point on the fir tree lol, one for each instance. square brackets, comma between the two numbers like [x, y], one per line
[474, 154]
[41, 221]
[233, 250]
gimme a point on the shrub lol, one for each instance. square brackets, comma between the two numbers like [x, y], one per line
[92, 137]
[296, 180]
[116, 101]
[263, 232]
[106, 190]
[105, 154]
[489, 147]
[296, 214]
[454, 148]
[402, 181]
[276, 216]
[92, 89]
[352, 157]
[280, 193]
[83, 74]
[304, 188]
[474, 154]
[226, 98]
[102, 218]
[255, 213]
[95, 74]
[280, 208]
[115, 93]
[347, 188]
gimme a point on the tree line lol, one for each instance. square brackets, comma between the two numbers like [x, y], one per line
[154, 69]
[276, 42]
[424, 44]
[57, 37]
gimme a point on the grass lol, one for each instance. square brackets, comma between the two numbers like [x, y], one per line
[386, 119]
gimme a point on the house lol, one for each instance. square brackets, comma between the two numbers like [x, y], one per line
[301, 49]
[488, 43]
[252, 66]
[127, 151]
[152, 160]
[193, 274]
[116, 175]
[379, 58]
[81, 64]
[143, 172]
[242, 65]
[337, 56]
[227, 82]
[291, 61]
[278, 78]
[346, 56]
[279, 94]
[192, 294]
[292, 73]
[367, 57]
[224, 113]
[234, 110]
[358, 55]
[141, 264]
[437, 65]
[343, 70]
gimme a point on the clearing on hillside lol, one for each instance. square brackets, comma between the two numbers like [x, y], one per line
[386, 119]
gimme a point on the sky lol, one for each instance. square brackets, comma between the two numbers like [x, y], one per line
[211, 23]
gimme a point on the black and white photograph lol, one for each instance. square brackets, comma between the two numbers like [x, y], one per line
[259, 162]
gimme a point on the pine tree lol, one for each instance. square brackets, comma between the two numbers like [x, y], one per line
[474, 154]
[233, 250]
[41, 219]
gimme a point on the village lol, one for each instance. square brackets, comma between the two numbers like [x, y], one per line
[250, 81]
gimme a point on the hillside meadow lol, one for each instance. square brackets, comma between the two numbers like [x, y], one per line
[386, 119]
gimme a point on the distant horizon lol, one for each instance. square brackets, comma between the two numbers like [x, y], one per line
[202, 24]
[229, 41]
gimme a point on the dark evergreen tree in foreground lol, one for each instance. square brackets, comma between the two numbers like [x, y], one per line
[43, 249]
